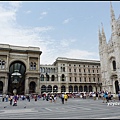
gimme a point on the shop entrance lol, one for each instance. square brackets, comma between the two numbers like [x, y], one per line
[17, 77]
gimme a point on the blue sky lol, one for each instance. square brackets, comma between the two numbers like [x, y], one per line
[61, 29]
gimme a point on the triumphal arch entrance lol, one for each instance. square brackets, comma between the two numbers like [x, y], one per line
[19, 69]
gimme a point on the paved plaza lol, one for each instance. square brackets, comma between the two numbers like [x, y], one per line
[75, 108]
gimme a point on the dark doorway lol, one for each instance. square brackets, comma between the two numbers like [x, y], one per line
[32, 87]
[116, 86]
[1, 87]
[16, 77]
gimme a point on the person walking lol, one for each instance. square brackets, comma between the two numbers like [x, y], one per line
[15, 100]
[96, 95]
[65, 97]
[62, 98]
[11, 99]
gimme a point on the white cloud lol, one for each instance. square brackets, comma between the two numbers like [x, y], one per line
[66, 42]
[28, 12]
[15, 5]
[44, 13]
[75, 53]
[67, 20]
[14, 34]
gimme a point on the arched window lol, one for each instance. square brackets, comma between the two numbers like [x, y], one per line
[2, 64]
[32, 87]
[31, 65]
[114, 65]
[70, 88]
[90, 89]
[49, 88]
[42, 77]
[53, 78]
[43, 88]
[75, 88]
[85, 89]
[1, 87]
[55, 88]
[34, 66]
[81, 88]
[48, 70]
[43, 70]
[40, 69]
[63, 77]
[63, 88]
[47, 77]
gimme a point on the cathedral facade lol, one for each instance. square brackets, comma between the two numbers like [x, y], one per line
[110, 56]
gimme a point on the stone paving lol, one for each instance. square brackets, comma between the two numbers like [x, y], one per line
[75, 108]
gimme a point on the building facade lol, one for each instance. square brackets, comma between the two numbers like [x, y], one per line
[70, 75]
[110, 56]
[20, 70]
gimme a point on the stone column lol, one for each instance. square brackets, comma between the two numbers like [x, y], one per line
[58, 78]
[67, 87]
[5, 87]
[26, 86]
[119, 86]
[59, 88]
[38, 86]
[113, 87]
[94, 88]
[98, 88]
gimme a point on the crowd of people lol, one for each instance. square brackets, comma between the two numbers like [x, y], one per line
[104, 95]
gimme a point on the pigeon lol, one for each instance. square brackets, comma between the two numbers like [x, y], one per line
[4, 106]
[25, 107]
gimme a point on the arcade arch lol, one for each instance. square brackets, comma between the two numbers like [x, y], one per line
[16, 80]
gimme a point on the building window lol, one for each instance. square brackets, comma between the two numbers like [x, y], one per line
[42, 77]
[70, 79]
[80, 79]
[32, 66]
[98, 80]
[74, 70]
[89, 80]
[114, 65]
[2, 64]
[94, 79]
[63, 69]
[79, 70]
[85, 79]
[63, 77]
[75, 79]
[69, 70]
